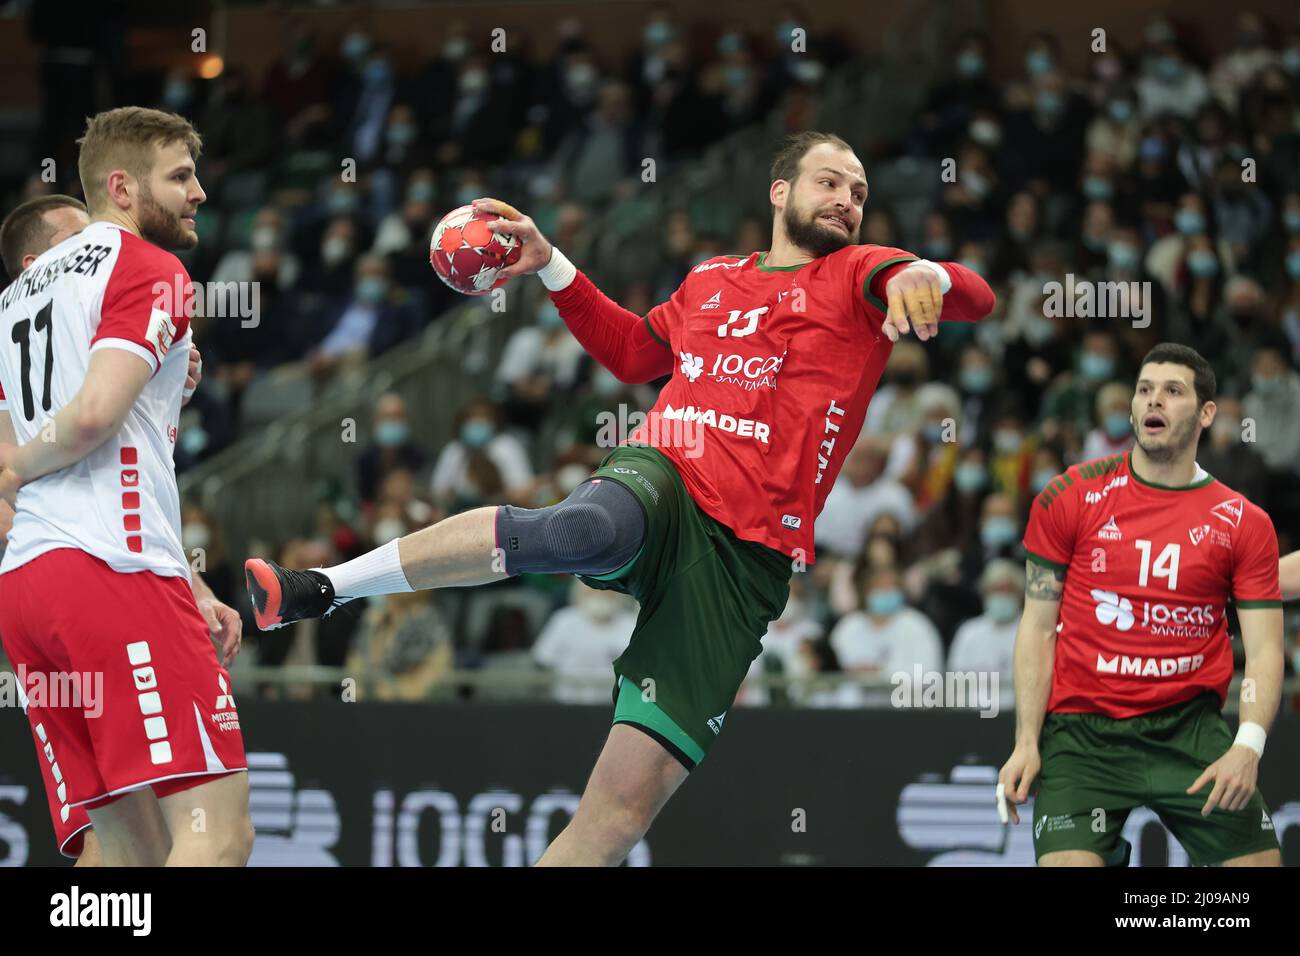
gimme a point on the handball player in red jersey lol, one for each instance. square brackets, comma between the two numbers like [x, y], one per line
[704, 511]
[1123, 656]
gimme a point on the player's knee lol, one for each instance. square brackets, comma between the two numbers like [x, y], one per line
[240, 845]
[597, 529]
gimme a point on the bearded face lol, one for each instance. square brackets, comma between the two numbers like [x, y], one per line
[820, 229]
[164, 228]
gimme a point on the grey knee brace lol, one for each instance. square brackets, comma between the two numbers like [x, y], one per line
[597, 529]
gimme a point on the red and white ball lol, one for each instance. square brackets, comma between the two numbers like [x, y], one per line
[467, 254]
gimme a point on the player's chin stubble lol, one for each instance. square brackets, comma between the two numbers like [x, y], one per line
[1179, 439]
[161, 227]
[808, 234]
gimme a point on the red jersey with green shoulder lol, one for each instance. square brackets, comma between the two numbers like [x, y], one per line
[1148, 573]
[772, 370]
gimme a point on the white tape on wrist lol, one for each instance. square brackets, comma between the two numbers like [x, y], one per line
[945, 280]
[558, 273]
[1251, 735]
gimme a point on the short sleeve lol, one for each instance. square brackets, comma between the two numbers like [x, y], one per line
[4, 402]
[1254, 557]
[145, 304]
[1049, 537]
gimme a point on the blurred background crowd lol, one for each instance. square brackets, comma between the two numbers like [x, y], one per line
[1172, 160]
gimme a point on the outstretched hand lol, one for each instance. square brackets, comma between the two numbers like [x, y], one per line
[915, 299]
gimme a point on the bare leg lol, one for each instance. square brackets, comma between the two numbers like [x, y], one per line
[209, 823]
[456, 552]
[91, 855]
[1071, 858]
[633, 779]
[131, 831]
[1262, 858]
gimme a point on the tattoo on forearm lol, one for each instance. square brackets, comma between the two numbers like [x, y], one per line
[1043, 584]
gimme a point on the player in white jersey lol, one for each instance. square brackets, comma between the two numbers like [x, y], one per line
[28, 231]
[94, 349]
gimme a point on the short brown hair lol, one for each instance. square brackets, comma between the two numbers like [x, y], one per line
[25, 231]
[125, 138]
[785, 164]
[1172, 353]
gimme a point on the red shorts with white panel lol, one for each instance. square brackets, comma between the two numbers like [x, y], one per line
[124, 687]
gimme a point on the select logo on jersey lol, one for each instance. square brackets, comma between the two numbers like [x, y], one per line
[162, 330]
[1122, 665]
[747, 427]
[712, 302]
[1094, 497]
[1229, 511]
[1110, 531]
[1113, 609]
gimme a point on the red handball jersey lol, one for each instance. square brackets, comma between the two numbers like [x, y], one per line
[1148, 572]
[772, 369]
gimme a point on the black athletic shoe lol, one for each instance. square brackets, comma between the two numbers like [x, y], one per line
[281, 596]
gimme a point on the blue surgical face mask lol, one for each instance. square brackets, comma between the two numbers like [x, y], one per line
[730, 43]
[737, 76]
[1098, 188]
[1291, 60]
[378, 72]
[1041, 478]
[355, 46]
[1267, 386]
[1122, 255]
[998, 531]
[657, 33]
[605, 383]
[342, 202]
[402, 134]
[1291, 220]
[1117, 426]
[548, 316]
[970, 63]
[884, 603]
[1049, 102]
[976, 379]
[1038, 62]
[176, 95]
[784, 33]
[970, 477]
[1152, 148]
[1169, 68]
[372, 289]
[974, 265]
[1121, 111]
[390, 433]
[1202, 264]
[467, 194]
[421, 191]
[1189, 222]
[1096, 368]
[938, 248]
[193, 439]
[932, 432]
[1002, 607]
[1293, 264]
[477, 433]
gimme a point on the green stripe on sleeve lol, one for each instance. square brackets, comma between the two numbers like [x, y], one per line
[1250, 605]
[866, 283]
[1045, 562]
[651, 329]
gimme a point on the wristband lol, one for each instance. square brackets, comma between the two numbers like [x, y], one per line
[558, 273]
[945, 280]
[1251, 735]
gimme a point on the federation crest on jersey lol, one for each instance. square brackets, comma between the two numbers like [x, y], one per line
[1229, 511]
[1197, 535]
[161, 332]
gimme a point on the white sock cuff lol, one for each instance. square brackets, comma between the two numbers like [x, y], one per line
[375, 572]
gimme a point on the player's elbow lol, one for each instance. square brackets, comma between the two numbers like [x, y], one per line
[94, 422]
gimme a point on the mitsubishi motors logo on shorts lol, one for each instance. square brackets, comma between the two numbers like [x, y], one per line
[1229, 511]
[225, 717]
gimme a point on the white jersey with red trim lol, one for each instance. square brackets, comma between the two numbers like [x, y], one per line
[102, 288]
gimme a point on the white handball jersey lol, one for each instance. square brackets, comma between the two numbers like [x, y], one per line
[103, 288]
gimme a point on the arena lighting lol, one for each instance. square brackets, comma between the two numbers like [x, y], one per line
[211, 67]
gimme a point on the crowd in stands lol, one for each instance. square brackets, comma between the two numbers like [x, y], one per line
[1167, 163]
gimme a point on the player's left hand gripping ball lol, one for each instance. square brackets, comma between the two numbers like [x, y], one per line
[468, 254]
[915, 300]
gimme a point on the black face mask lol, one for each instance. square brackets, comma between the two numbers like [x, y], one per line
[906, 379]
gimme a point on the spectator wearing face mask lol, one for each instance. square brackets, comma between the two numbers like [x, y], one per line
[933, 446]
[205, 551]
[1010, 455]
[1273, 403]
[1045, 131]
[1229, 457]
[540, 362]
[1048, 463]
[375, 319]
[999, 537]
[861, 493]
[1115, 131]
[886, 637]
[951, 106]
[894, 410]
[459, 473]
[976, 379]
[1072, 395]
[267, 233]
[604, 153]
[390, 446]
[579, 643]
[1113, 432]
[402, 648]
[1235, 70]
[476, 130]
[986, 644]
[1169, 84]
[238, 132]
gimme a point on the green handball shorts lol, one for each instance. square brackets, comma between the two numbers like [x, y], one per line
[1097, 768]
[706, 599]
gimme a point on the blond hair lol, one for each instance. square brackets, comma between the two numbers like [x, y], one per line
[128, 138]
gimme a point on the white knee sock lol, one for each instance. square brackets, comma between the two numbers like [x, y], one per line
[375, 572]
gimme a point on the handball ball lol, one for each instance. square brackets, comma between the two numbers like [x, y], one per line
[467, 254]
